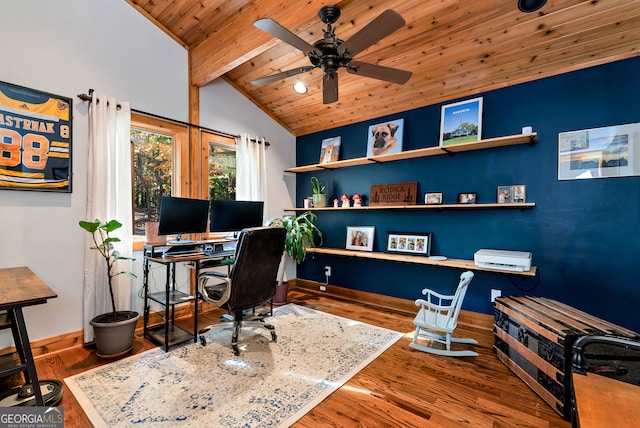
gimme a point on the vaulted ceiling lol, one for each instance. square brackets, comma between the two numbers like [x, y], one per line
[454, 49]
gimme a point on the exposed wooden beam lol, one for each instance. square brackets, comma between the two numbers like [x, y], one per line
[238, 40]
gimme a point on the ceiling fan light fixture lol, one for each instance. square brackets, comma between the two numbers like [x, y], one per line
[528, 6]
[300, 88]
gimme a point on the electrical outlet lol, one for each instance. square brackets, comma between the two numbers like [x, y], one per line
[495, 293]
[327, 270]
[323, 288]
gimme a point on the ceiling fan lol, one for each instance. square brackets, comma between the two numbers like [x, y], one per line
[330, 53]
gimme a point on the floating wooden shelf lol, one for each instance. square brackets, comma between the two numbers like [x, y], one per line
[451, 263]
[490, 143]
[525, 205]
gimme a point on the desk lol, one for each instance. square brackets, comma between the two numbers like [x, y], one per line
[21, 287]
[167, 333]
[605, 402]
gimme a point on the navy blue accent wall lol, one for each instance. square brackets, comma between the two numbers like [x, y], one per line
[584, 234]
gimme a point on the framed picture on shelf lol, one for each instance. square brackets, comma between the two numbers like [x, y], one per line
[519, 194]
[330, 149]
[409, 243]
[467, 198]
[433, 198]
[504, 195]
[360, 238]
[36, 139]
[461, 122]
[385, 138]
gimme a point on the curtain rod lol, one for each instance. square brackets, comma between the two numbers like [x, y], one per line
[85, 97]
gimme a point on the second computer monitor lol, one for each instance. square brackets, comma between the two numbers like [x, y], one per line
[233, 216]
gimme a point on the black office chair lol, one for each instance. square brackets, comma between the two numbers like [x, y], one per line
[250, 283]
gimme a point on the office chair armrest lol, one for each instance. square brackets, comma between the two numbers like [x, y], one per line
[216, 296]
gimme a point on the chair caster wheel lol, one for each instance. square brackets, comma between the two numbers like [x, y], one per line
[203, 341]
[274, 337]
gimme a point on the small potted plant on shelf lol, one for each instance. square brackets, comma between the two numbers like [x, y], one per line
[113, 330]
[319, 196]
[300, 235]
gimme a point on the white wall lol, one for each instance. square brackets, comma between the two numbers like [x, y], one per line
[67, 47]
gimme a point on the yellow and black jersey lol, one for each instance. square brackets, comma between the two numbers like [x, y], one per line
[35, 139]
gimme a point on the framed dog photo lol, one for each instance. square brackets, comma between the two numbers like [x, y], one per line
[504, 195]
[360, 238]
[409, 243]
[467, 198]
[385, 138]
[519, 194]
[461, 122]
[433, 198]
[330, 149]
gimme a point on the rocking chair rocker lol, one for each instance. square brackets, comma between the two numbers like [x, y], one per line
[439, 313]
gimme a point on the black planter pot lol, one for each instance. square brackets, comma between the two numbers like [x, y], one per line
[114, 332]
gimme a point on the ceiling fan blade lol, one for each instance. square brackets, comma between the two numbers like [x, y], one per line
[383, 25]
[381, 72]
[282, 75]
[330, 87]
[272, 27]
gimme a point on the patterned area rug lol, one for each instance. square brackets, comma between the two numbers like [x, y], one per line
[270, 384]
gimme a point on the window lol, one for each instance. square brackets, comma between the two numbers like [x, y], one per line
[161, 166]
[221, 167]
[159, 152]
[151, 175]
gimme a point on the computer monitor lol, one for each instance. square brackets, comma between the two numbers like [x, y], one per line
[182, 215]
[233, 216]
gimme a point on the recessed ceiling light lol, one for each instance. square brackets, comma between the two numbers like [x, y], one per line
[300, 88]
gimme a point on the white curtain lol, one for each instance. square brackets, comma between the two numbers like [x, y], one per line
[251, 174]
[108, 198]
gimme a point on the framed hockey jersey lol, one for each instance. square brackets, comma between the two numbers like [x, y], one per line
[35, 140]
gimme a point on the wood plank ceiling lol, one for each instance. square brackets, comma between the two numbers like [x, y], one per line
[454, 49]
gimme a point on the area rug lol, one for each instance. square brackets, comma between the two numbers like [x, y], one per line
[271, 384]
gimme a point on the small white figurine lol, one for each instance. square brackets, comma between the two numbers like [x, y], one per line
[357, 200]
[335, 203]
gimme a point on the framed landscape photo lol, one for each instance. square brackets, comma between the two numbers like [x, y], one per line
[461, 122]
[385, 138]
[504, 195]
[409, 243]
[360, 238]
[610, 151]
[35, 132]
[467, 198]
[433, 198]
[330, 149]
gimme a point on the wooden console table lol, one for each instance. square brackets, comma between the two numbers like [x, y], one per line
[20, 287]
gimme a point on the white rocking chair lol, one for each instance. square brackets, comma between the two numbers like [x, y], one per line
[439, 313]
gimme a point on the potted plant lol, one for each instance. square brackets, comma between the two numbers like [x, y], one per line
[319, 197]
[113, 330]
[300, 235]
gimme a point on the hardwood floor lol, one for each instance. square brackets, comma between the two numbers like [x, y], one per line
[401, 388]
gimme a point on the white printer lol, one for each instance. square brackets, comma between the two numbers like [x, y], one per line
[516, 261]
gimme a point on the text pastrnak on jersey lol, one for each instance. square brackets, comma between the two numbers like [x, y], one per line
[35, 139]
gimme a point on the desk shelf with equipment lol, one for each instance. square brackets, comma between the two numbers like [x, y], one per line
[167, 333]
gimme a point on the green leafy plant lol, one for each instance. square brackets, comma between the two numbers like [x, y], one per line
[300, 235]
[317, 186]
[103, 241]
